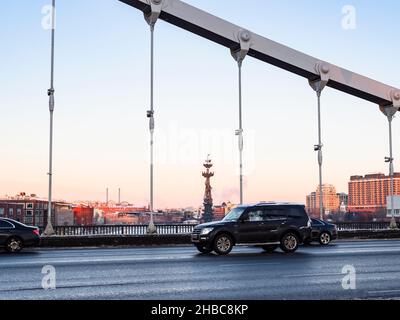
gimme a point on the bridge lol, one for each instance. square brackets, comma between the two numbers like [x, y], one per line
[177, 272]
[241, 43]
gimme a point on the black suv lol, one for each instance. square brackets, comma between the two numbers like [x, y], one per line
[266, 225]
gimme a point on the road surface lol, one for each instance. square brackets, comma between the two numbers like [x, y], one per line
[181, 273]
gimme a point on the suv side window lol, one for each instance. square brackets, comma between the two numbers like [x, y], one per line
[255, 215]
[275, 213]
[296, 212]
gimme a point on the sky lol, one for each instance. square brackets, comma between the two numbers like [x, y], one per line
[101, 136]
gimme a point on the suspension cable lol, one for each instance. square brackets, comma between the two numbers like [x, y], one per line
[391, 167]
[150, 114]
[320, 158]
[239, 55]
[318, 85]
[49, 228]
[389, 112]
[151, 123]
[240, 133]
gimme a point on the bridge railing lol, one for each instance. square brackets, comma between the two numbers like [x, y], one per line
[165, 229]
[354, 226]
[133, 230]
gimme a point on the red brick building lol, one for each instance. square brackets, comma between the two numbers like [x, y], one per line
[33, 211]
[367, 194]
[83, 215]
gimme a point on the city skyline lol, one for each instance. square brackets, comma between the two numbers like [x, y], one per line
[330, 191]
[101, 135]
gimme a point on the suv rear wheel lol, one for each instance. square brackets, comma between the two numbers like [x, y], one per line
[270, 248]
[289, 243]
[223, 244]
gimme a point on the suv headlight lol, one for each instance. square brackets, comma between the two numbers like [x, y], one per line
[206, 231]
[309, 223]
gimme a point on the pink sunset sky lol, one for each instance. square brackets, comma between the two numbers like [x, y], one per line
[102, 94]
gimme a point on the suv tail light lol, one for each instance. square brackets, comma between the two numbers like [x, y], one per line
[36, 231]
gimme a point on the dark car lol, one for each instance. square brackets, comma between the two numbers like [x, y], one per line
[323, 232]
[14, 235]
[266, 225]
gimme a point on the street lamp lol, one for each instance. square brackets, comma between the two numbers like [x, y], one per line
[389, 112]
[49, 228]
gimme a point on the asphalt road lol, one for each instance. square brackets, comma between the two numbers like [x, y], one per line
[181, 273]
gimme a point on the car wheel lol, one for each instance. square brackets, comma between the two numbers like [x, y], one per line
[270, 248]
[14, 245]
[223, 244]
[324, 238]
[289, 243]
[203, 249]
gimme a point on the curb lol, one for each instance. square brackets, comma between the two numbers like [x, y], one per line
[113, 241]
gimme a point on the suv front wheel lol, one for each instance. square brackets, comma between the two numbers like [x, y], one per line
[289, 243]
[223, 244]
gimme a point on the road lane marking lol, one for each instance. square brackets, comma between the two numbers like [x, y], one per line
[248, 264]
[68, 261]
[384, 291]
[311, 275]
[336, 251]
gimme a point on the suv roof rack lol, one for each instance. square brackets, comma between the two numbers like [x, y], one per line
[278, 203]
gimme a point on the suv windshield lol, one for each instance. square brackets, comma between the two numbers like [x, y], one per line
[234, 214]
